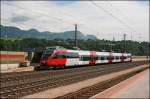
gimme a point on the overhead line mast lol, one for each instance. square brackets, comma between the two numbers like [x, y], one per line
[124, 42]
[75, 35]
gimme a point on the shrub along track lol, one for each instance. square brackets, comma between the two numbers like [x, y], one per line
[25, 83]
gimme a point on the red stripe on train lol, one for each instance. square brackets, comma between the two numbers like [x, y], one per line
[57, 61]
[110, 60]
[92, 61]
[122, 58]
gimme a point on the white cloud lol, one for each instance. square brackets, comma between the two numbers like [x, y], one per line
[50, 16]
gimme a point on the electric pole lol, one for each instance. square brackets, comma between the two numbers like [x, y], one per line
[75, 35]
[124, 35]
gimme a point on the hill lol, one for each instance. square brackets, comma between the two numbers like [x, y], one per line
[15, 32]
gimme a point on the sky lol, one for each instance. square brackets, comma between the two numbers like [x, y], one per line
[104, 19]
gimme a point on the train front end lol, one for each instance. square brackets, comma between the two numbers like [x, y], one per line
[51, 58]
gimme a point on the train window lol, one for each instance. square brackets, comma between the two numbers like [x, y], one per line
[102, 58]
[125, 57]
[107, 57]
[72, 55]
[110, 57]
[121, 57]
[67, 55]
[114, 57]
[85, 57]
[117, 57]
[60, 55]
[95, 57]
[47, 53]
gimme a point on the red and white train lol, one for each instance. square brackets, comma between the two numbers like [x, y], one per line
[60, 57]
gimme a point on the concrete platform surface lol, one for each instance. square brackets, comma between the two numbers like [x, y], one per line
[134, 87]
[4, 68]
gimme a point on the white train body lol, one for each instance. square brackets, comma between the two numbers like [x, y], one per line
[65, 57]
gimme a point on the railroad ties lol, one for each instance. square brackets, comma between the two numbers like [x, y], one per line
[15, 85]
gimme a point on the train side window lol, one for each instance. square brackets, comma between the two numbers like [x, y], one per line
[83, 58]
[102, 58]
[117, 57]
[125, 57]
[72, 55]
[121, 57]
[108, 57]
[95, 58]
[112, 57]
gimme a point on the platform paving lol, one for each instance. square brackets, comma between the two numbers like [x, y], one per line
[134, 87]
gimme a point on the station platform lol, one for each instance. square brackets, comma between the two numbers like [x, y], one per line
[134, 87]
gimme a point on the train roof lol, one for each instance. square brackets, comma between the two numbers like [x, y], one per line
[70, 50]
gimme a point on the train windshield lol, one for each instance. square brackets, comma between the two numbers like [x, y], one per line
[47, 53]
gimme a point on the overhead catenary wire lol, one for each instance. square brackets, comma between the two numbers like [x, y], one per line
[118, 10]
[71, 24]
[112, 15]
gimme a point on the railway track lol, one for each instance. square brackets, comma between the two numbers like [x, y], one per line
[21, 84]
[90, 91]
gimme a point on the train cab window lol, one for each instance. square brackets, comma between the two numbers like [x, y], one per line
[47, 53]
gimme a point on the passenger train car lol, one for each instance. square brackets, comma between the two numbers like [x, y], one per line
[54, 57]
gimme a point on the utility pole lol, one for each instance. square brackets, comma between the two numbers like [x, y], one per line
[124, 36]
[6, 48]
[75, 35]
